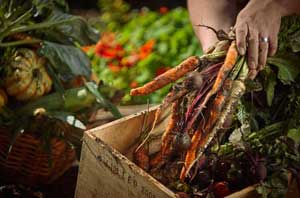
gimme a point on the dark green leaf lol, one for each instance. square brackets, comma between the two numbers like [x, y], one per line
[93, 88]
[62, 4]
[288, 67]
[44, 6]
[275, 186]
[68, 61]
[56, 82]
[77, 30]
[270, 84]
[295, 41]
[294, 134]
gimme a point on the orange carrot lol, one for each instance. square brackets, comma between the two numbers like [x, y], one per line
[141, 157]
[191, 153]
[158, 112]
[169, 76]
[156, 161]
[205, 126]
[230, 60]
[224, 106]
[167, 138]
[238, 89]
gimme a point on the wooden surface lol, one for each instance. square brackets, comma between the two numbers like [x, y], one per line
[102, 117]
[106, 173]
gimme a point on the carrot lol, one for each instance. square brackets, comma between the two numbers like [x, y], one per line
[141, 157]
[169, 76]
[209, 75]
[167, 138]
[191, 153]
[171, 97]
[157, 161]
[238, 89]
[205, 126]
[156, 117]
[230, 60]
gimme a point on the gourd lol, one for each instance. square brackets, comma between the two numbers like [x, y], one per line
[25, 76]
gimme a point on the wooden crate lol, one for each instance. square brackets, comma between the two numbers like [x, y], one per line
[106, 170]
[99, 118]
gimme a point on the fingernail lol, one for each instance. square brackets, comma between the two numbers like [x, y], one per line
[252, 74]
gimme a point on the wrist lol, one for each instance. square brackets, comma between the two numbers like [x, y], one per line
[287, 7]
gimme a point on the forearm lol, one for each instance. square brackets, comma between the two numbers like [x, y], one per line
[282, 7]
[289, 7]
[219, 14]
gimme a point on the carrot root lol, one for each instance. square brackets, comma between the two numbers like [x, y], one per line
[230, 61]
[141, 157]
[169, 76]
[205, 127]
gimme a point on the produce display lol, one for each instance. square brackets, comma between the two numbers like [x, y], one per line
[148, 45]
[45, 78]
[39, 43]
[225, 131]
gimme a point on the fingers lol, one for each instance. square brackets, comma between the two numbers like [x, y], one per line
[241, 35]
[248, 38]
[253, 51]
[263, 52]
[273, 45]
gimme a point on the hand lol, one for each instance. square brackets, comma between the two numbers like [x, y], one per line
[257, 27]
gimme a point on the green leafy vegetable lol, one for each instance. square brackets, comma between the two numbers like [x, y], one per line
[288, 67]
[295, 41]
[76, 30]
[270, 84]
[294, 134]
[94, 90]
[67, 61]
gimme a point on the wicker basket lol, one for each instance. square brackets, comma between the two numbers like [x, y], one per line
[28, 163]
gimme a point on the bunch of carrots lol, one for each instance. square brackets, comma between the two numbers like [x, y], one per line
[202, 106]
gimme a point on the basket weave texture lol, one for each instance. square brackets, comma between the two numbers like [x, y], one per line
[28, 162]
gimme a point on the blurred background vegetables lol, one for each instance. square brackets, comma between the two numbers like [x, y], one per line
[132, 52]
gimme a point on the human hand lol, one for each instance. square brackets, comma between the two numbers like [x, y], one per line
[256, 28]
